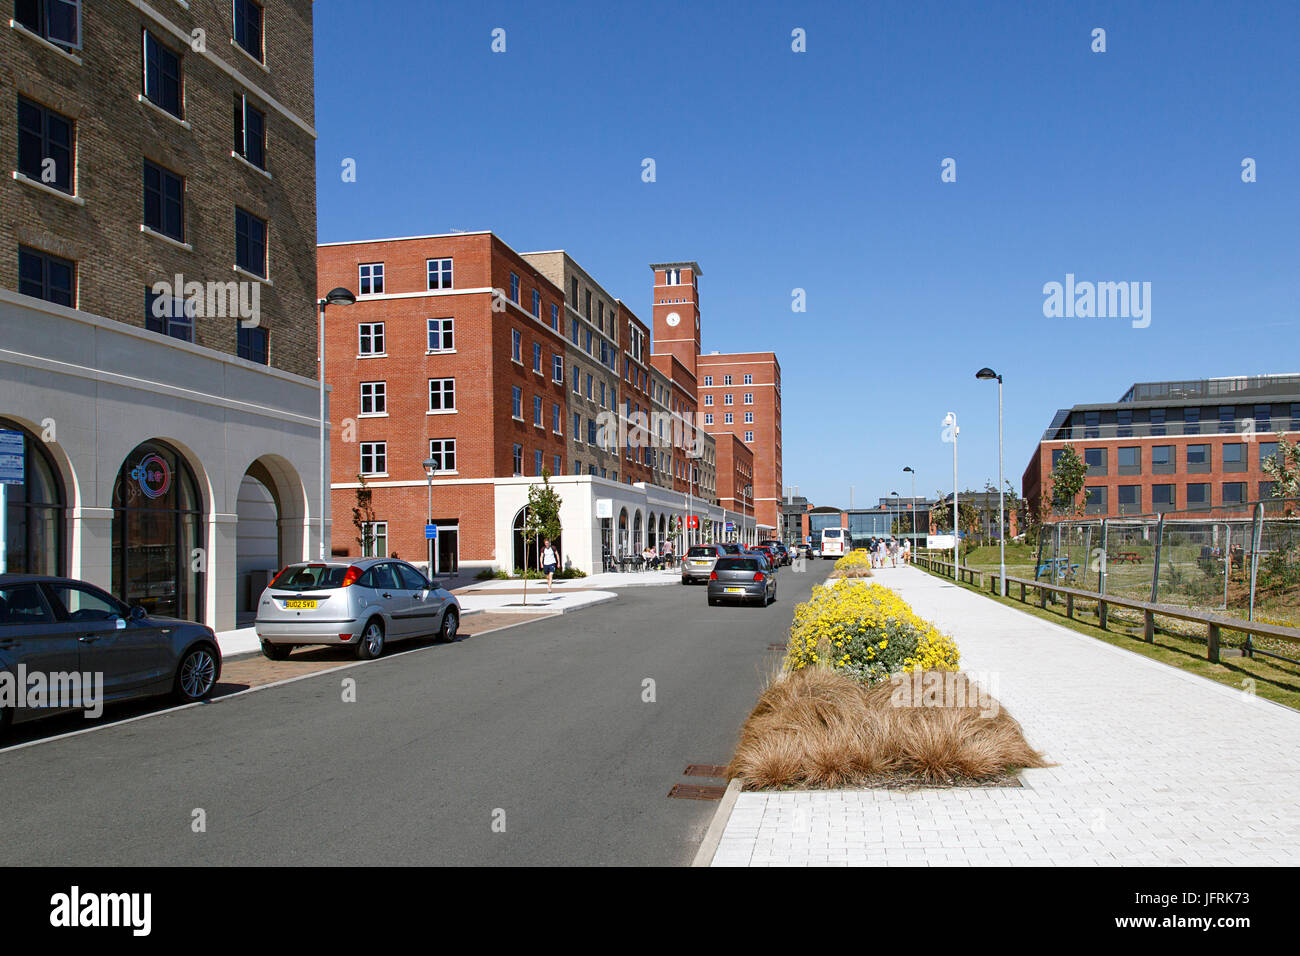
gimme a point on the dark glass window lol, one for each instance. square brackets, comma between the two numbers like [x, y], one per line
[47, 277]
[168, 315]
[1234, 492]
[58, 21]
[1198, 454]
[1124, 417]
[162, 75]
[34, 523]
[248, 27]
[45, 141]
[1227, 418]
[164, 201]
[250, 131]
[1191, 421]
[1091, 421]
[254, 344]
[250, 242]
[1198, 496]
[1157, 421]
[1162, 496]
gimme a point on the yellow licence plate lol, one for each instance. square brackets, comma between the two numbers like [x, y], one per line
[734, 590]
[699, 563]
[300, 605]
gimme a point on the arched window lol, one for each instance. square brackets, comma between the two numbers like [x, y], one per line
[34, 505]
[159, 554]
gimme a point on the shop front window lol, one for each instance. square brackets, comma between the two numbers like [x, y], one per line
[32, 516]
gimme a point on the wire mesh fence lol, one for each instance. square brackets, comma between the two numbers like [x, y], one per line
[1244, 561]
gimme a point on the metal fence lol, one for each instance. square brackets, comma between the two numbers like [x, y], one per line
[1244, 560]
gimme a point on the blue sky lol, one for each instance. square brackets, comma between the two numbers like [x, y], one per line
[821, 170]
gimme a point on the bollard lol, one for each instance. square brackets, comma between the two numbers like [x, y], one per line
[1069, 606]
[1148, 626]
[1102, 614]
[1213, 642]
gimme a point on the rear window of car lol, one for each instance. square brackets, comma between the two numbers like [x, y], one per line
[701, 551]
[23, 605]
[736, 564]
[308, 577]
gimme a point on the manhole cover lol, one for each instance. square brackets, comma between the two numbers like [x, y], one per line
[689, 791]
[705, 770]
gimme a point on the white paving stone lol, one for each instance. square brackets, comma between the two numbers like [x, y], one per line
[1153, 766]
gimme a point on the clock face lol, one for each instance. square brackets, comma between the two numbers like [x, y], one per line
[672, 319]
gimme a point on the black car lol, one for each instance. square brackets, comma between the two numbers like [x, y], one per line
[781, 550]
[78, 635]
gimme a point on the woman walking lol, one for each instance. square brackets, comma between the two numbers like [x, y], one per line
[550, 561]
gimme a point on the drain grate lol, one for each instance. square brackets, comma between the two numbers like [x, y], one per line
[690, 791]
[705, 770]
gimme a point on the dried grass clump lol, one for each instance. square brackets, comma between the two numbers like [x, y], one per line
[852, 573]
[818, 728]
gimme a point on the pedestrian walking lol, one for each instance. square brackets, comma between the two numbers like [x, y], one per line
[550, 561]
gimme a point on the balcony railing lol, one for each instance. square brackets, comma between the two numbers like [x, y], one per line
[1240, 426]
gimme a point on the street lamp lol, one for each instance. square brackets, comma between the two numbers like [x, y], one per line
[984, 375]
[431, 466]
[338, 296]
[950, 421]
[909, 469]
[898, 513]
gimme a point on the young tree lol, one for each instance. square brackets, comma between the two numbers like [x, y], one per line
[363, 516]
[541, 520]
[1284, 469]
[1065, 484]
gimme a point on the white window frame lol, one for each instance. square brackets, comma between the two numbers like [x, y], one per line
[444, 446]
[362, 338]
[378, 451]
[445, 387]
[378, 396]
[442, 328]
[376, 272]
[429, 271]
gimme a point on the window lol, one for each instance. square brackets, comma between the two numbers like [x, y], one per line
[726, 399]
[517, 459]
[374, 544]
[726, 380]
[537, 357]
[1234, 493]
[248, 27]
[577, 427]
[1096, 500]
[749, 398]
[749, 418]
[1157, 421]
[708, 418]
[1124, 419]
[169, 315]
[600, 315]
[442, 452]
[162, 75]
[442, 335]
[589, 388]
[749, 436]
[1267, 450]
[442, 394]
[602, 395]
[516, 346]
[250, 132]
[1263, 418]
[749, 379]
[1162, 459]
[164, 202]
[46, 141]
[587, 311]
[374, 457]
[48, 277]
[708, 380]
[537, 410]
[1095, 459]
[537, 462]
[371, 276]
[555, 419]
[1130, 460]
[1234, 456]
[557, 368]
[58, 21]
[573, 331]
[673, 276]
[1198, 496]
[370, 338]
[1191, 421]
[374, 398]
[1227, 419]
[1295, 416]
[590, 349]
[577, 375]
[1129, 499]
[1198, 457]
[728, 418]
[250, 243]
[708, 400]
[1092, 422]
[591, 431]
[559, 466]
[439, 273]
[252, 344]
[555, 317]
[514, 288]
[1163, 497]
[517, 402]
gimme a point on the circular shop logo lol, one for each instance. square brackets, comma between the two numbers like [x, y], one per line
[153, 475]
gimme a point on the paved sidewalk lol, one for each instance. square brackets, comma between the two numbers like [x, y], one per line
[1155, 767]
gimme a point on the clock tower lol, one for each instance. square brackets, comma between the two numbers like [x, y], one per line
[677, 311]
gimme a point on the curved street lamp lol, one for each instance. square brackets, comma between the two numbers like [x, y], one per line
[910, 470]
[336, 296]
[985, 375]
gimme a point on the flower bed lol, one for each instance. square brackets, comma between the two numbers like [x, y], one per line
[855, 564]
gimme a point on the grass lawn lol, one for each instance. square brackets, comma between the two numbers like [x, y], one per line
[1274, 680]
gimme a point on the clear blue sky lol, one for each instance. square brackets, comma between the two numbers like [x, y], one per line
[820, 170]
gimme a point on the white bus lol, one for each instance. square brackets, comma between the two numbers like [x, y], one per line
[835, 543]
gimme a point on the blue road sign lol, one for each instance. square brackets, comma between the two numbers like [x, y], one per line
[431, 532]
[12, 451]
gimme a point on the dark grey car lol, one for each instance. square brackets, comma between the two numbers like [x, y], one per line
[64, 629]
[745, 578]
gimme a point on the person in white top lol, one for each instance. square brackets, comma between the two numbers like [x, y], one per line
[907, 550]
[550, 561]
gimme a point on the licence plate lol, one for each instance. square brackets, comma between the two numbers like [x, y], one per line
[734, 590]
[699, 563]
[300, 605]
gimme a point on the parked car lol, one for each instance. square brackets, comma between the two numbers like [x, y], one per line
[731, 547]
[768, 552]
[782, 552]
[363, 604]
[54, 625]
[699, 562]
[742, 578]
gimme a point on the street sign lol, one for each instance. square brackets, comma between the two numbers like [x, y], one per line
[431, 532]
[693, 521]
[12, 451]
[730, 527]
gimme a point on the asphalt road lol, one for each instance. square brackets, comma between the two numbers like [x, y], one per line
[541, 727]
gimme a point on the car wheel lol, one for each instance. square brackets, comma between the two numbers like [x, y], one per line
[713, 602]
[450, 622]
[276, 652]
[372, 641]
[197, 674]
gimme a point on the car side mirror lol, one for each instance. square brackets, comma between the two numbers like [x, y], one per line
[137, 613]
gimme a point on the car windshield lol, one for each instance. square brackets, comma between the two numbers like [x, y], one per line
[700, 551]
[737, 564]
[309, 577]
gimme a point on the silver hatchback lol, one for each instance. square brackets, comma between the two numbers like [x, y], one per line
[364, 603]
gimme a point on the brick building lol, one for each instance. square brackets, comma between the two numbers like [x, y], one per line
[157, 271]
[1172, 446]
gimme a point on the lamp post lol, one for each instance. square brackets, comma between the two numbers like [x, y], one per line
[430, 466]
[950, 421]
[337, 296]
[984, 375]
[910, 470]
[898, 513]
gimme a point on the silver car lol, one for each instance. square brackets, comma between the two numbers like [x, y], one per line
[745, 578]
[699, 561]
[364, 603]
